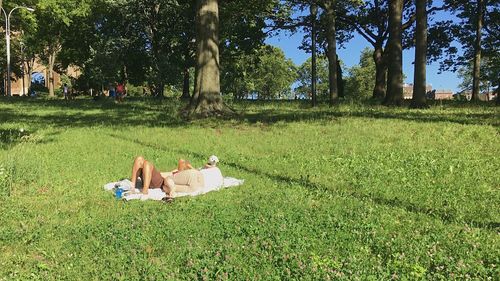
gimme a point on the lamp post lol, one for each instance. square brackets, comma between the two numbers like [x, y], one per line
[314, 11]
[22, 67]
[7, 39]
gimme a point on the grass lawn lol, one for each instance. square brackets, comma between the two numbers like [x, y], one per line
[354, 192]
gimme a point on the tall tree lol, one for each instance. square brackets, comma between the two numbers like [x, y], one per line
[419, 80]
[330, 6]
[487, 78]
[274, 74]
[54, 17]
[370, 20]
[394, 94]
[477, 30]
[206, 99]
[314, 11]
[304, 79]
[477, 50]
[360, 78]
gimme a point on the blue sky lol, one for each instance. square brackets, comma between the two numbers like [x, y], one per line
[290, 43]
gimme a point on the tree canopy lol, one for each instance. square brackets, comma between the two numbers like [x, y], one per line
[157, 44]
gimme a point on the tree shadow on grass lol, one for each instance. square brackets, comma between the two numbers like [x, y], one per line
[80, 113]
[82, 103]
[274, 116]
[320, 190]
[12, 137]
[9, 137]
[152, 112]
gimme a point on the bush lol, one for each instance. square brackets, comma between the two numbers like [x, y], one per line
[134, 91]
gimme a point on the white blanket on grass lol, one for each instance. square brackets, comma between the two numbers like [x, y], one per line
[211, 184]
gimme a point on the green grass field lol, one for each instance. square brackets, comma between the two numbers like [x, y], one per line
[354, 192]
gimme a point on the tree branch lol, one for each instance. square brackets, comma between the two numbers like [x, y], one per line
[413, 17]
[284, 27]
[362, 30]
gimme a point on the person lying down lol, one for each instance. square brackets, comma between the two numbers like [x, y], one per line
[184, 178]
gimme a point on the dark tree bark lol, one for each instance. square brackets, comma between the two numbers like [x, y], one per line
[380, 72]
[206, 99]
[340, 81]
[51, 80]
[395, 53]
[313, 10]
[329, 7]
[29, 66]
[185, 86]
[477, 52]
[419, 79]
[498, 93]
[154, 35]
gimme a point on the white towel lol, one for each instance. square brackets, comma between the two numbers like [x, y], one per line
[158, 194]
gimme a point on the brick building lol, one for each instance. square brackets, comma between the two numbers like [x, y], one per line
[20, 85]
[408, 90]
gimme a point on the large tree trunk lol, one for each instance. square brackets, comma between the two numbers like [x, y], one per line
[477, 52]
[332, 51]
[380, 73]
[419, 79]
[313, 10]
[340, 81]
[497, 102]
[206, 99]
[51, 82]
[185, 86]
[395, 53]
[29, 67]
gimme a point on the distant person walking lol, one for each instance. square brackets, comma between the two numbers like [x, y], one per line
[111, 91]
[120, 92]
[66, 91]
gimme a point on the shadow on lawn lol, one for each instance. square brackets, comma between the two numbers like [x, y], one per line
[80, 104]
[9, 137]
[273, 116]
[12, 137]
[319, 189]
[446, 217]
[152, 112]
[78, 113]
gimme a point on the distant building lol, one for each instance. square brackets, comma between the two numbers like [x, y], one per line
[20, 85]
[408, 90]
[484, 96]
[442, 94]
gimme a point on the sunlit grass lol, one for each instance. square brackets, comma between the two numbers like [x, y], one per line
[355, 192]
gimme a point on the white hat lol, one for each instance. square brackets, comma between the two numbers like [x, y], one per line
[213, 160]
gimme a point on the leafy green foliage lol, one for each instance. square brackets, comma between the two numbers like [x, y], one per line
[464, 32]
[361, 78]
[304, 79]
[355, 192]
[265, 72]
[274, 73]
[465, 74]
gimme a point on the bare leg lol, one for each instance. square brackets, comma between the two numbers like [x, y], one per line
[169, 187]
[137, 169]
[147, 174]
[184, 181]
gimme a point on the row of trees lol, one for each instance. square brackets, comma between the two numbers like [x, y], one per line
[393, 25]
[221, 43]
